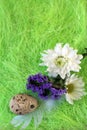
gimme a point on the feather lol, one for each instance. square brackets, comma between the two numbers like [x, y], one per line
[21, 119]
[38, 116]
[27, 121]
[49, 104]
[17, 120]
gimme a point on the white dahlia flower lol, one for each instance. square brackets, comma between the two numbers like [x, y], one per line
[61, 60]
[75, 88]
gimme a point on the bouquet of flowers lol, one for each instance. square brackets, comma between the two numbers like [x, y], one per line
[60, 84]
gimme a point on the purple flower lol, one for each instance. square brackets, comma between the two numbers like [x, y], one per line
[45, 93]
[57, 93]
[40, 84]
[45, 88]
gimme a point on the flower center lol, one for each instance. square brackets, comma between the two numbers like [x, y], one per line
[70, 88]
[60, 61]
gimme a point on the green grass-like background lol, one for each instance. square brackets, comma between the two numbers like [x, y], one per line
[27, 27]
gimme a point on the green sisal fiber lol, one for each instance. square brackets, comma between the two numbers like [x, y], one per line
[27, 27]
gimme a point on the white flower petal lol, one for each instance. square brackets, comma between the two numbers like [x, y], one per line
[69, 99]
[65, 50]
[58, 49]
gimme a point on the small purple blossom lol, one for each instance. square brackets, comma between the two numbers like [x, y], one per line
[40, 84]
[57, 93]
[46, 91]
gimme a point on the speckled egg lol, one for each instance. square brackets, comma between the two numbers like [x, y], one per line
[22, 104]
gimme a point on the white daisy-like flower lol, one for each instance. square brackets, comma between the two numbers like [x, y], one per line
[61, 60]
[75, 88]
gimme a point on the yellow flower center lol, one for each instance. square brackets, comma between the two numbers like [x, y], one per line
[60, 61]
[70, 88]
